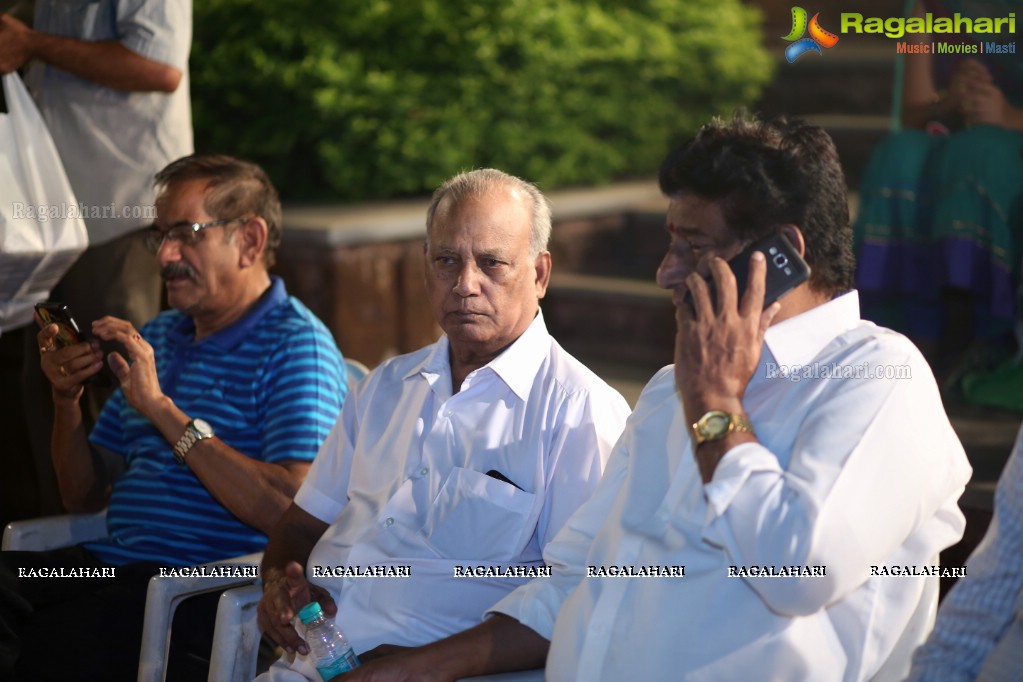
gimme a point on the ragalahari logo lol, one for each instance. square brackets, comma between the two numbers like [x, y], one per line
[818, 36]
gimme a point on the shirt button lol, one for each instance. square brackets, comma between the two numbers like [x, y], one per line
[389, 521]
[424, 471]
[448, 413]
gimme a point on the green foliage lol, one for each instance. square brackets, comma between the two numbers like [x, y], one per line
[358, 99]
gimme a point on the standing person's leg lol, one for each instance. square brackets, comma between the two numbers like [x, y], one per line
[119, 278]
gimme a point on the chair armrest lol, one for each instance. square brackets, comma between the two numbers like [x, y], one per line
[236, 637]
[162, 599]
[51, 532]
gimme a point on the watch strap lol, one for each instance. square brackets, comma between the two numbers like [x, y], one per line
[191, 436]
[737, 423]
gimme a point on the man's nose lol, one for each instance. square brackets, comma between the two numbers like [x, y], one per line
[468, 281]
[169, 251]
[673, 270]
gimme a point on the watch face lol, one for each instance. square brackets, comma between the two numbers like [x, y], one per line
[713, 425]
[716, 423]
[203, 427]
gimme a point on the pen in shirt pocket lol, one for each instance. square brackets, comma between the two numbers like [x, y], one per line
[494, 473]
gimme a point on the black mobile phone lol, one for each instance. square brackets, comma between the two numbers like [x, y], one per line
[52, 312]
[786, 269]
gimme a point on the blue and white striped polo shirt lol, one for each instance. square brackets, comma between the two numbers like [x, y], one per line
[271, 386]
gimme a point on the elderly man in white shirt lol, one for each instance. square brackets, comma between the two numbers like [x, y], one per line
[791, 457]
[451, 467]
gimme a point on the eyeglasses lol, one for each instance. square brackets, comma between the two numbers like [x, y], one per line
[185, 233]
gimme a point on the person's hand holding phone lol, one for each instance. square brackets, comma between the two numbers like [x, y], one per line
[718, 347]
[137, 372]
[67, 367]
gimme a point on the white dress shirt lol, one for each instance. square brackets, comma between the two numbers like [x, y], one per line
[848, 473]
[984, 610]
[403, 481]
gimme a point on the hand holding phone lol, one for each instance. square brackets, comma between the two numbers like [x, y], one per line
[52, 312]
[786, 270]
[69, 334]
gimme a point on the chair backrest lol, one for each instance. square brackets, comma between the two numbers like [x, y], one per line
[356, 371]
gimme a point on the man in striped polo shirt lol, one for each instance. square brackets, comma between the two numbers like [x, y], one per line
[223, 403]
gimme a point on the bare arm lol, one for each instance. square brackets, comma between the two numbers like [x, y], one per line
[920, 98]
[83, 477]
[256, 492]
[285, 589]
[499, 644]
[105, 62]
[971, 98]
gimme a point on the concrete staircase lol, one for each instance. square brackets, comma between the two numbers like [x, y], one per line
[847, 90]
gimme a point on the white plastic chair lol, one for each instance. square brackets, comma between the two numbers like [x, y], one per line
[53, 532]
[236, 637]
[162, 599]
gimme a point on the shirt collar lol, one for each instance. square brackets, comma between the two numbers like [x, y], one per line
[232, 335]
[798, 340]
[516, 366]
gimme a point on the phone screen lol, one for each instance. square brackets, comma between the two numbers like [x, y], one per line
[68, 333]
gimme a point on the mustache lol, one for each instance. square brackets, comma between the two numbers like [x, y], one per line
[177, 270]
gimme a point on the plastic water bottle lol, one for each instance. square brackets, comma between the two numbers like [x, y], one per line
[328, 646]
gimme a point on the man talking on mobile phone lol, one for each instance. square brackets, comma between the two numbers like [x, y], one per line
[221, 406]
[789, 454]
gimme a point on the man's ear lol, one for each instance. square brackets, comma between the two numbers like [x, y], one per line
[543, 273]
[251, 238]
[795, 236]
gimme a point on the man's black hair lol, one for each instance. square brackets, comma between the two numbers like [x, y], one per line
[765, 174]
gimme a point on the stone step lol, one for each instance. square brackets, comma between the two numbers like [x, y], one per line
[850, 79]
[611, 320]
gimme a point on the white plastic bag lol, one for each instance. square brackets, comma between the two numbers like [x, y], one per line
[42, 232]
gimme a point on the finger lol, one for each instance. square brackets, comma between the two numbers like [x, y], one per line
[89, 361]
[119, 366]
[700, 295]
[287, 637]
[724, 282]
[274, 601]
[47, 337]
[322, 596]
[113, 328]
[767, 317]
[295, 579]
[753, 297]
[77, 355]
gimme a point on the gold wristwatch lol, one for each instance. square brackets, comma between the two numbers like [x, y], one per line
[716, 424]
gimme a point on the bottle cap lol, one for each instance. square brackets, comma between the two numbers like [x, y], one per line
[310, 612]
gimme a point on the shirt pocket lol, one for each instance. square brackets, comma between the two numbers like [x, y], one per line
[478, 517]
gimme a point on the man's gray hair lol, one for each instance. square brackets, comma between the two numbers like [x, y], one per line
[479, 183]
